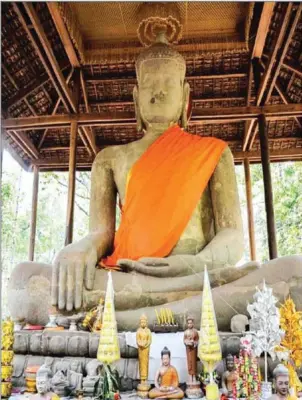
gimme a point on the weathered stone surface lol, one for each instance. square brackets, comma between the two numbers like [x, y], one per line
[239, 323]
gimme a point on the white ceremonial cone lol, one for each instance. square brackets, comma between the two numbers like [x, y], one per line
[109, 350]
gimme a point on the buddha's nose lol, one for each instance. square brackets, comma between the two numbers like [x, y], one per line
[158, 96]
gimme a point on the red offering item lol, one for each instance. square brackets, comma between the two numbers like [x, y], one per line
[29, 327]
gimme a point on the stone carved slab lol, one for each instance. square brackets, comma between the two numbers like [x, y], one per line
[85, 344]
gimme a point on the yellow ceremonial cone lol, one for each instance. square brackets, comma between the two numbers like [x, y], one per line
[109, 350]
[209, 350]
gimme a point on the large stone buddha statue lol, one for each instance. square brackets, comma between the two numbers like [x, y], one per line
[174, 238]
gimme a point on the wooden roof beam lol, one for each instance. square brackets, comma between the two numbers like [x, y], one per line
[99, 79]
[88, 109]
[54, 111]
[267, 73]
[64, 34]
[282, 94]
[24, 143]
[289, 65]
[281, 58]
[66, 95]
[263, 27]
[207, 115]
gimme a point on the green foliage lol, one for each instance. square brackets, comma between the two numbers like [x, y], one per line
[109, 383]
[287, 192]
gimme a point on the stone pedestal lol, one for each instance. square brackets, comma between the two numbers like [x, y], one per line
[266, 390]
[143, 390]
[193, 390]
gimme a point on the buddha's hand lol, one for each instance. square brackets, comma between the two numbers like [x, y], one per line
[74, 266]
[178, 265]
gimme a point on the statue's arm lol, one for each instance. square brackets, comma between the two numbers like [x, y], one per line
[102, 203]
[156, 380]
[227, 246]
[75, 264]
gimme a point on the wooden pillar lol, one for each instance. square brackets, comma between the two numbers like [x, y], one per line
[72, 164]
[33, 222]
[71, 182]
[268, 191]
[250, 211]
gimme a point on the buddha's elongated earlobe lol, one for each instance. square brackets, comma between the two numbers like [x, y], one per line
[139, 122]
[185, 104]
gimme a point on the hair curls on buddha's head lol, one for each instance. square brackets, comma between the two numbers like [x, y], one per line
[165, 351]
[160, 50]
[280, 370]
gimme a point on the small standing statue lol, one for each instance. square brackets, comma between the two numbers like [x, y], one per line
[229, 377]
[143, 340]
[191, 339]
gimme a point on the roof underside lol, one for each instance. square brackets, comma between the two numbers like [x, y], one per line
[218, 52]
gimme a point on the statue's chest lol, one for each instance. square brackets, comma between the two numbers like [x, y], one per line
[122, 168]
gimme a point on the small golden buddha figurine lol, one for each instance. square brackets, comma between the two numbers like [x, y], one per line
[143, 340]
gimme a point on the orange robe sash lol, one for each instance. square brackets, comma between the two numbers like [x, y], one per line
[164, 186]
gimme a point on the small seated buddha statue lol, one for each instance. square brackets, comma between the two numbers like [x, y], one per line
[166, 380]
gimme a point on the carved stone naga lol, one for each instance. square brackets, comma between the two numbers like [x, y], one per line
[212, 237]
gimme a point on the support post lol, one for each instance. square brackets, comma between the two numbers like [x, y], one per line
[250, 211]
[72, 162]
[71, 182]
[33, 222]
[268, 190]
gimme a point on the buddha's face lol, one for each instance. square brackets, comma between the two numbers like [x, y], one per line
[282, 385]
[160, 91]
[42, 384]
[143, 323]
[166, 360]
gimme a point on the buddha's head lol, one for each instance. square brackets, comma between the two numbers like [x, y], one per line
[281, 380]
[143, 321]
[43, 380]
[165, 356]
[162, 95]
[230, 365]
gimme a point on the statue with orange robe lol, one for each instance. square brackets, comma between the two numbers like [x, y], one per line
[166, 380]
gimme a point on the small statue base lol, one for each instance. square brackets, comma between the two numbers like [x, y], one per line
[266, 390]
[193, 390]
[143, 389]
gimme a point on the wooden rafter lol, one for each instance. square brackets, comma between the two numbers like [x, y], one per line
[282, 94]
[87, 107]
[263, 27]
[281, 58]
[264, 23]
[54, 71]
[202, 115]
[289, 65]
[24, 142]
[99, 79]
[54, 111]
[267, 74]
[63, 33]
